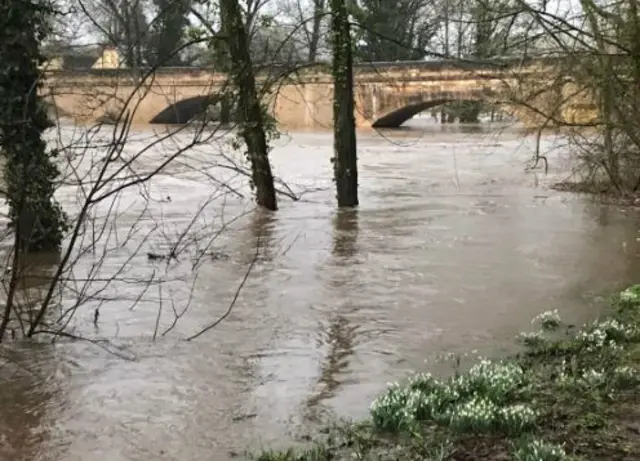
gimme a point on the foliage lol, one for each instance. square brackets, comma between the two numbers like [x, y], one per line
[271, 133]
[29, 169]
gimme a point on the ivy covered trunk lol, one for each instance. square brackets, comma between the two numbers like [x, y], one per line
[29, 171]
[345, 160]
[250, 111]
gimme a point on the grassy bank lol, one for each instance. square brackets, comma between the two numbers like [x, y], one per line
[574, 394]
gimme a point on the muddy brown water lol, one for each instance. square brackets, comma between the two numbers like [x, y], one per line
[455, 247]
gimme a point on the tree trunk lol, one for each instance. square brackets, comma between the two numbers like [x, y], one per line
[29, 172]
[223, 64]
[345, 163]
[225, 108]
[251, 115]
[318, 11]
[470, 112]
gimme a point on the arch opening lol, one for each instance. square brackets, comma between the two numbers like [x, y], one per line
[399, 116]
[186, 110]
[396, 118]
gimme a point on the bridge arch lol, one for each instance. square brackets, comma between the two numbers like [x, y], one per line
[185, 110]
[406, 107]
[54, 111]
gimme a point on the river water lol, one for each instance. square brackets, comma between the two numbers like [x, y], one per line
[455, 247]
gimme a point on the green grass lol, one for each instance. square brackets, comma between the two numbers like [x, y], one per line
[571, 396]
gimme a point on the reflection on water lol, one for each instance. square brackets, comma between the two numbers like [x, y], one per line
[27, 286]
[29, 383]
[345, 235]
[454, 247]
[263, 224]
[336, 336]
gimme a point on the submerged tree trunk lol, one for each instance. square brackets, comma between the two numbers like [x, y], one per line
[345, 162]
[470, 112]
[251, 115]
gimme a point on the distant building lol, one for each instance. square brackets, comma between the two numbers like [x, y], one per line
[55, 63]
[67, 57]
[110, 59]
[76, 58]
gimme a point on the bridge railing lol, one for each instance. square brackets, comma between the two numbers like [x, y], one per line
[459, 64]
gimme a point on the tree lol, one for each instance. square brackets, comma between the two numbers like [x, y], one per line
[345, 162]
[597, 86]
[394, 30]
[168, 32]
[123, 24]
[29, 170]
[481, 30]
[264, 43]
[271, 43]
[313, 36]
[251, 114]
[308, 18]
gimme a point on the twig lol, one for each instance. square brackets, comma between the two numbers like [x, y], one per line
[235, 296]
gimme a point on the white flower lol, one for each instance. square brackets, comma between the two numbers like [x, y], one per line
[607, 333]
[538, 450]
[548, 319]
[476, 415]
[532, 339]
[594, 378]
[516, 418]
[492, 380]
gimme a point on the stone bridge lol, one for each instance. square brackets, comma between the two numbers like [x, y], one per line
[387, 94]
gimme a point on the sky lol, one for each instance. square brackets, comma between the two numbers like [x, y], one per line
[86, 33]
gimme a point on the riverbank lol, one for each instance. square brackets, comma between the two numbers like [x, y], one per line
[604, 192]
[572, 394]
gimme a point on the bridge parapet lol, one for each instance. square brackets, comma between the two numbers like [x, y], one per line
[303, 98]
[375, 71]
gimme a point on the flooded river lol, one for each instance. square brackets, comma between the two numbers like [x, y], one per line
[455, 247]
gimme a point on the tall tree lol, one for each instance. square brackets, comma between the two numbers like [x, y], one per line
[309, 17]
[29, 169]
[222, 62]
[319, 7]
[345, 160]
[394, 30]
[251, 114]
[123, 24]
[168, 31]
